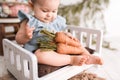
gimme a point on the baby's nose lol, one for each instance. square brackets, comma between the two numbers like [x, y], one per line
[49, 14]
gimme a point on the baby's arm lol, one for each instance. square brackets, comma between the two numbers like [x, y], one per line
[24, 33]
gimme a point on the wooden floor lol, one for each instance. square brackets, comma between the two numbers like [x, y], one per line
[110, 70]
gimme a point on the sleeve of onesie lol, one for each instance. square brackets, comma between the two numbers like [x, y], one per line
[22, 16]
[32, 21]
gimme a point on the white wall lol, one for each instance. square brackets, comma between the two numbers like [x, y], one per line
[112, 18]
[67, 2]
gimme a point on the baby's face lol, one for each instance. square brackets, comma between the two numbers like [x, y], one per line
[46, 10]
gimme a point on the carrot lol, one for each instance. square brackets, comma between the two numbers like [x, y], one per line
[61, 37]
[67, 49]
[61, 43]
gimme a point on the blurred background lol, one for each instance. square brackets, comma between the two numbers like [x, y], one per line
[97, 14]
[110, 11]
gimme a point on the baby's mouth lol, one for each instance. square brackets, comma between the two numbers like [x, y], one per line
[47, 19]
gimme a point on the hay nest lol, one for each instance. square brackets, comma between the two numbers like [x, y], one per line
[86, 76]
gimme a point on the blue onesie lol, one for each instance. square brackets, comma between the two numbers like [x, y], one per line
[58, 24]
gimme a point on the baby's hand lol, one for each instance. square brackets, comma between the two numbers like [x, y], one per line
[29, 31]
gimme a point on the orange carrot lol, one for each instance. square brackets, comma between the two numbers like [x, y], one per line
[63, 43]
[61, 37]
[67, 49]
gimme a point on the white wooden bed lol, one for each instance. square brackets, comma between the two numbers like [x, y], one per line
[24, 66]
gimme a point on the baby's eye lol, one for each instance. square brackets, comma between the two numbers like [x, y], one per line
[44, 10]
[54, 11]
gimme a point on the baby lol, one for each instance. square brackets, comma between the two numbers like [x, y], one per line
[45, 17]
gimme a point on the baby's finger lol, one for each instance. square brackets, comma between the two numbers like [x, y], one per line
[29, 35]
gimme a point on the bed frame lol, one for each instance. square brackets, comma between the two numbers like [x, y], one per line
[24, 66]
